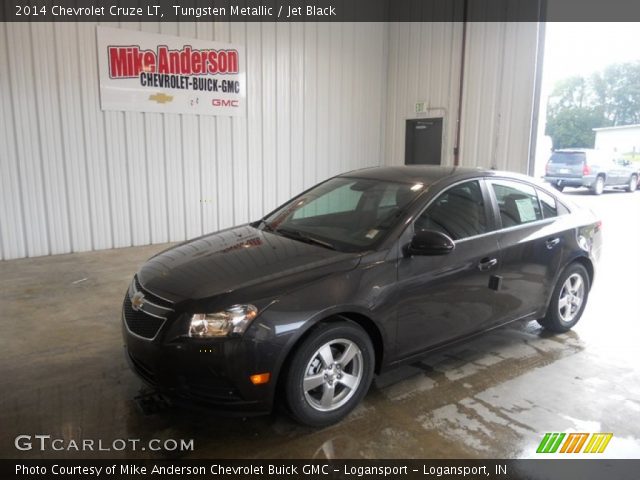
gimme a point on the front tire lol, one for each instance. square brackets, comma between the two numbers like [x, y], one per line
[329, 374]
[598, 187]
[633, 184]
[568, 300]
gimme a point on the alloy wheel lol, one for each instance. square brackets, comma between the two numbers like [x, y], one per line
[571, 298]
[333, 375]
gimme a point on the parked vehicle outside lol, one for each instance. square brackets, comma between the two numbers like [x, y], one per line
[589, 168]
[359, 274]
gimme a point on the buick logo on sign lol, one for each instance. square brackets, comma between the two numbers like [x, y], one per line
[137, 301]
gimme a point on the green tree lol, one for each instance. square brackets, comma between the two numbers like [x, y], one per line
[573, 127]
[617, 90]
[577, 105]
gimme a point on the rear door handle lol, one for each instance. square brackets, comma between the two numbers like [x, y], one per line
[487, 263]
[552, 242]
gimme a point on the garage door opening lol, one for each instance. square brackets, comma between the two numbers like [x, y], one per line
[588, 97]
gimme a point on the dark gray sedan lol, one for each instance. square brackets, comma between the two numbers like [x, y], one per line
[361, 273]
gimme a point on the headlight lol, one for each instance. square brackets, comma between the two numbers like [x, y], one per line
[234, 319]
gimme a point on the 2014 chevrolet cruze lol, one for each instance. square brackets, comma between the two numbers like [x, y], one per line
[356, 275]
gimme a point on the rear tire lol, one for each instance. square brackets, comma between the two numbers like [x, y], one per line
[598, 187]
[330, 373]
[633, 184]
[568, 300]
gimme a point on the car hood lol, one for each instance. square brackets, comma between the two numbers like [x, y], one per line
[244, 260]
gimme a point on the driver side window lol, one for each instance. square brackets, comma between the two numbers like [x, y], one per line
[458, 212]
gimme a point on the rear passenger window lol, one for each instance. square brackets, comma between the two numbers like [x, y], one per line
[459, 212]
[518, 203]
[549, 205]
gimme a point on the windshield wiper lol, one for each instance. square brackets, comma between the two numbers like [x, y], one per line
[265, 226]
[296, 235]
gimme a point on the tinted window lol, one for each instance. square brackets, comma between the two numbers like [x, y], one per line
[549, 205]
[349, 214]
[567, 158]
[459, 212]
[518, 203]
[341, 199]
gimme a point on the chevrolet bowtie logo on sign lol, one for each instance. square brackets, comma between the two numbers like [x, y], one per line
[574, 442]
[161, 98]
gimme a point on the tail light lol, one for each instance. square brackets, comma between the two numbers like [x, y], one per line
[586, 169]
[598, 226]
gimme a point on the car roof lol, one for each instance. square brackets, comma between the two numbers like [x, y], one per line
[430, 174]
[426, 174]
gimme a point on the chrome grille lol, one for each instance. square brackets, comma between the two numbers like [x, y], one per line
[146, 320]
[138, 322]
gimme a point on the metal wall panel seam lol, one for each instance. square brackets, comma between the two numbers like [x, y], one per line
[13, 238]
[34, 210]
[283, 111]
[72, 140]
[297, 134]
[54, 178]
[84, 148]
[309, 67]
[254, 120]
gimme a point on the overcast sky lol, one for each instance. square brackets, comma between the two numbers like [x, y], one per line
[583, 48]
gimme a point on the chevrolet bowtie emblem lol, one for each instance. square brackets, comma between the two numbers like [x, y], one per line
[137, 301]
[161, 98]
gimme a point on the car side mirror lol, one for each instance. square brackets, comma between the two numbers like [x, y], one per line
[430, 242]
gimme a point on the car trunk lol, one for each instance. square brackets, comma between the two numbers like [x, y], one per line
[566, 164]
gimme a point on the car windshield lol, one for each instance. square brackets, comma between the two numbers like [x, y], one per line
[346, 214]
[567, 158]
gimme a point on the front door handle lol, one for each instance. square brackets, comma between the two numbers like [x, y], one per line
[552, 242]
[487, 263]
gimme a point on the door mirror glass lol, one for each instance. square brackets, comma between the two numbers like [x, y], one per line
[430, 242]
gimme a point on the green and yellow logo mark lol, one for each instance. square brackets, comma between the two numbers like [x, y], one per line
[574, 442]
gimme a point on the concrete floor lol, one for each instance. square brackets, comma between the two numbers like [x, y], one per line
[62, 372]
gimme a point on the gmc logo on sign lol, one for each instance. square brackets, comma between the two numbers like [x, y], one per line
[218, 102]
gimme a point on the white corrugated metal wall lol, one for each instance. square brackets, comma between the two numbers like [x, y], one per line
[322, 98]
[498, 95]
[498, 90]
[75, 178]
[424, 66]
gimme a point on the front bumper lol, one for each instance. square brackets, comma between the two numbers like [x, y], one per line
[212, 373]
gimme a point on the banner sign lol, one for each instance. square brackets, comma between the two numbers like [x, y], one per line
[149, 72]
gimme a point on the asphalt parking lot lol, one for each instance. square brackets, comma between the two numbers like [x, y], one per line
[63, 373]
